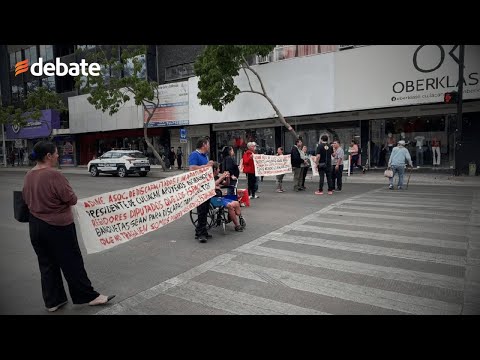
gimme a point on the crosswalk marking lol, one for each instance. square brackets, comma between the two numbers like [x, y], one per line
[384, 272]
[372, 223]
[389, 219]
[361, 294]
[404, 218]
[382, 237]
[372, 249]
[236, 302]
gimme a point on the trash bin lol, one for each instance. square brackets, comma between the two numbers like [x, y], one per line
[472, 169]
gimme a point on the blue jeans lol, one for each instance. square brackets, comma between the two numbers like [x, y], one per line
[419, 156]
[400, 170]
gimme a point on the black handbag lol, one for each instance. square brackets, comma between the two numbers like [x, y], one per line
[20, 208]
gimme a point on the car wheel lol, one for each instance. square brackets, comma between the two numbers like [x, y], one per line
[94, 171]
[143, 173]
[122, 171]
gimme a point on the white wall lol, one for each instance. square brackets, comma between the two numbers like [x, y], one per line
[365, 77]
[355, 79]
[298, 85]
[85, 118]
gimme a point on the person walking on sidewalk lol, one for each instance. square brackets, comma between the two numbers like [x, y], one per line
[50, 198]
[337, 165]
[249, 169]
[324, 160]
[199, 159]
[280, 177]
[398, 159]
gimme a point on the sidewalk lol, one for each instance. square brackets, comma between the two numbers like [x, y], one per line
[372, 177]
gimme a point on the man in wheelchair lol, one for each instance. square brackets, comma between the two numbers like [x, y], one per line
[227, 201]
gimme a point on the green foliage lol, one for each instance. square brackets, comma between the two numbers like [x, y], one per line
[110, 91]
[217, 67]
[37, 100]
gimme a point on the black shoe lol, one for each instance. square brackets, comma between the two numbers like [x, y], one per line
[208, 236]
[338, 190]
[202, 238]
[239, 228]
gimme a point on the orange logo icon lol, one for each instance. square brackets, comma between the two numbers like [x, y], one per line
[21, 67]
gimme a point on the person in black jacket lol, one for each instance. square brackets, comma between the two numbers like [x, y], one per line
[297, 162]
[229, 164]
[324, 160]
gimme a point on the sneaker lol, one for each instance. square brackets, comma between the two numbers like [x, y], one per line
[330, 193]
[390, 187]
[239, 228]
[250, 197]
[256, 197]
[55, 308]
[338, 190]
[279, 190]
[202, 239]
[318, 192]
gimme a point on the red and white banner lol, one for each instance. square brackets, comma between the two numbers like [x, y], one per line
[268, 165]
[113, 218]
[314, 165]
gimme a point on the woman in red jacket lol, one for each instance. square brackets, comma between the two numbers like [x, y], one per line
[249, 169]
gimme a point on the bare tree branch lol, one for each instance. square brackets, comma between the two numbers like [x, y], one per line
[243, 67]
[258, 77]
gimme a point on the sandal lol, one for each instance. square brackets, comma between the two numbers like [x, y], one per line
[239, 228]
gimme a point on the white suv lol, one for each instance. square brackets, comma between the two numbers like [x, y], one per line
[121, 163]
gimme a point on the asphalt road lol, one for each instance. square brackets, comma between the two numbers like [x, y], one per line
[280, 264]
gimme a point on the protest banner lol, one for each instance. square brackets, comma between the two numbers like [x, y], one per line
[268, 165]
[314, 165]
[113, 218]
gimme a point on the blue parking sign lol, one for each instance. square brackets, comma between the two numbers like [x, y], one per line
[183, 134]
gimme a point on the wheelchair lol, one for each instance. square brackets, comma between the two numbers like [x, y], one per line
[217, 213]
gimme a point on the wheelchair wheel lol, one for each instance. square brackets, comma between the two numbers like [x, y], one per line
[210, 217]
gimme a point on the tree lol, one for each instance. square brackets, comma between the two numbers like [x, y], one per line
[31, 108]
[121, 79]
[217, 68]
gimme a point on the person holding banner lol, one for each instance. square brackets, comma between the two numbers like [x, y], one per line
[249, 169]
[199, 159]
[232, 206]
[49, 198]
[280, 177]
[228, 164]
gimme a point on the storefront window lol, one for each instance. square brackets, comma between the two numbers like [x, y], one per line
[426, 138]
[310, 135]
[238, 139]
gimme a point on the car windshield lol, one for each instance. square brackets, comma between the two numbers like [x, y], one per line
[136, 155]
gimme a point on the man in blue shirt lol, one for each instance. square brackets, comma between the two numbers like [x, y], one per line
[199, 159]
